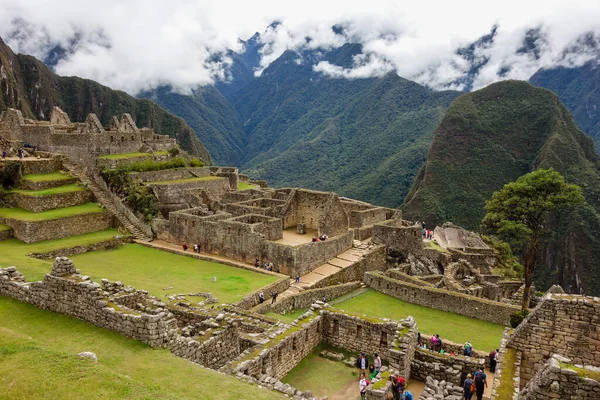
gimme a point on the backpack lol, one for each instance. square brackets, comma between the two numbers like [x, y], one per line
[473, 388]
[479, 377]
[492, 355]
[407, 396]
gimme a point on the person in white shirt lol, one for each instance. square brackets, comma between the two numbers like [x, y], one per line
[362, 385]
[377, 363]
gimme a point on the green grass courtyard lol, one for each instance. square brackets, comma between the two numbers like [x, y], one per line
[483, 335]
[38, 352]
[53, 176]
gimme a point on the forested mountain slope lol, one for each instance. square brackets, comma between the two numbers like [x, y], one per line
[579, 90]
[27, 84]
[492, 136]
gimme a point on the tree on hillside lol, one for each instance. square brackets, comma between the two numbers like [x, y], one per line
[519, 213]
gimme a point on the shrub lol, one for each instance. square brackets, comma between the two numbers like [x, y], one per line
[194, 162]
[142, 201]
[506, 259]
[518, 317]
[174, 151]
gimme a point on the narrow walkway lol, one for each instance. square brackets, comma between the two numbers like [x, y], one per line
[176, 249]
[336, 264]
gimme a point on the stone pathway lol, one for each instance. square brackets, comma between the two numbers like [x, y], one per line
[343, 260]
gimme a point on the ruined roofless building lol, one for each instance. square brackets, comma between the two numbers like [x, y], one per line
[81, 142]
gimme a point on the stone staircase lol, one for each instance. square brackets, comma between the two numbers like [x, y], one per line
[336, 264]
[113, 204]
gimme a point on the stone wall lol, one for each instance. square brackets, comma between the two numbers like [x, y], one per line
[562, 324]
[458, 348]
[359, 219]
[171, 195]
[321, 211]
[305, 298]
[212, 353]
[279, 358]
[506, 384]
[440, 299]
[49, 202]
[36, 231]
[171, 174]
[42, 185]
[66, 292]
[443, 367]
[252, 299]
[71, 251]
[37, 165]
[560, 379]
[374, 260]
[302, 259]
[401, 276]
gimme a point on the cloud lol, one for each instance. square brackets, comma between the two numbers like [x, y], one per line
[136, 45]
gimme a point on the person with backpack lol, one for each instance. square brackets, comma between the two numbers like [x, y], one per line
[468, 349]
[440, 345]
[362, 386]
[467, 386]
[493, 360]
[406, 395]
[480, 383]
[397, 385]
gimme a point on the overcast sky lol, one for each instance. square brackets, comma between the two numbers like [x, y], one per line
[139, 44]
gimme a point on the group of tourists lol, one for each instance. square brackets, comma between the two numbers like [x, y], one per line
[475, 385]
[427, 233]
[195, 247]
[368, 372]
[267, 266]
[261, 297]
[321, 238]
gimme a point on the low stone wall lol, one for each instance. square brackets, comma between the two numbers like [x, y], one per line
[252, 299]
[50, 202]
[441, 390]
[305, 298]
[564, 324]
[280, 358]
[38, 165]
[401, 276]
[374, 260]
[6, 234]
[458, 349]
[71, 251]
[560, 379]
[41, 185]
[170, 174]
[66, 292]
[469, 306]
[439, 366]
[212, 353]
[37, 231]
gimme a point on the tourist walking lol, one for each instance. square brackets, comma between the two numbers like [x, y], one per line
[261, 297]
[184, 246]
[467, 349]
[297, 278]
[271, 266]
[397, 385]
[480, 383]
[257, 263]
[274, 297]
[468, 387]
[362, 363]
[362, 386]
[493, 360]
[377, 362]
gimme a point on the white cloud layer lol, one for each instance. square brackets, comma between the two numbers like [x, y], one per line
[139, 44]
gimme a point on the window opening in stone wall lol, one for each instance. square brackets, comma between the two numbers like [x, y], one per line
[193, 224]
[358, 330]
[229, 230]
[278, 355]
[132, 139]
[336, 327]
[294, 344]
[383, 340]
[122, 138]
[306, 335]
[112, 138]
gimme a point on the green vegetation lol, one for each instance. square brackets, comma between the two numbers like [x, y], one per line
[506, 390]
[581, 372]
[483, 335]
[518, 317]
[289, 317]
[50, 192]
[24, 215]
[519, 213]
[14, 252]
[4, 228]
[320, 375]
[508, 265]
[123, 156]
[53, 176]
[40, 349]
[152, 270]
[246, 186]
[186, 180]
[432, 244]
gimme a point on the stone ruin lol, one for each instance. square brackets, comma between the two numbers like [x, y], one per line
[82, 142]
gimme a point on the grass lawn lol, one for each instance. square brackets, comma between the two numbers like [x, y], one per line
[24, 215]
[53, 176]
[152, 270]
[122, 156]
[432, 244]
[49, 192]
[246, 185]
[14, 252]
[4, 228]
[322, 376]
[483, 335]
[185, 180]
[38, 351]
[289, 317]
